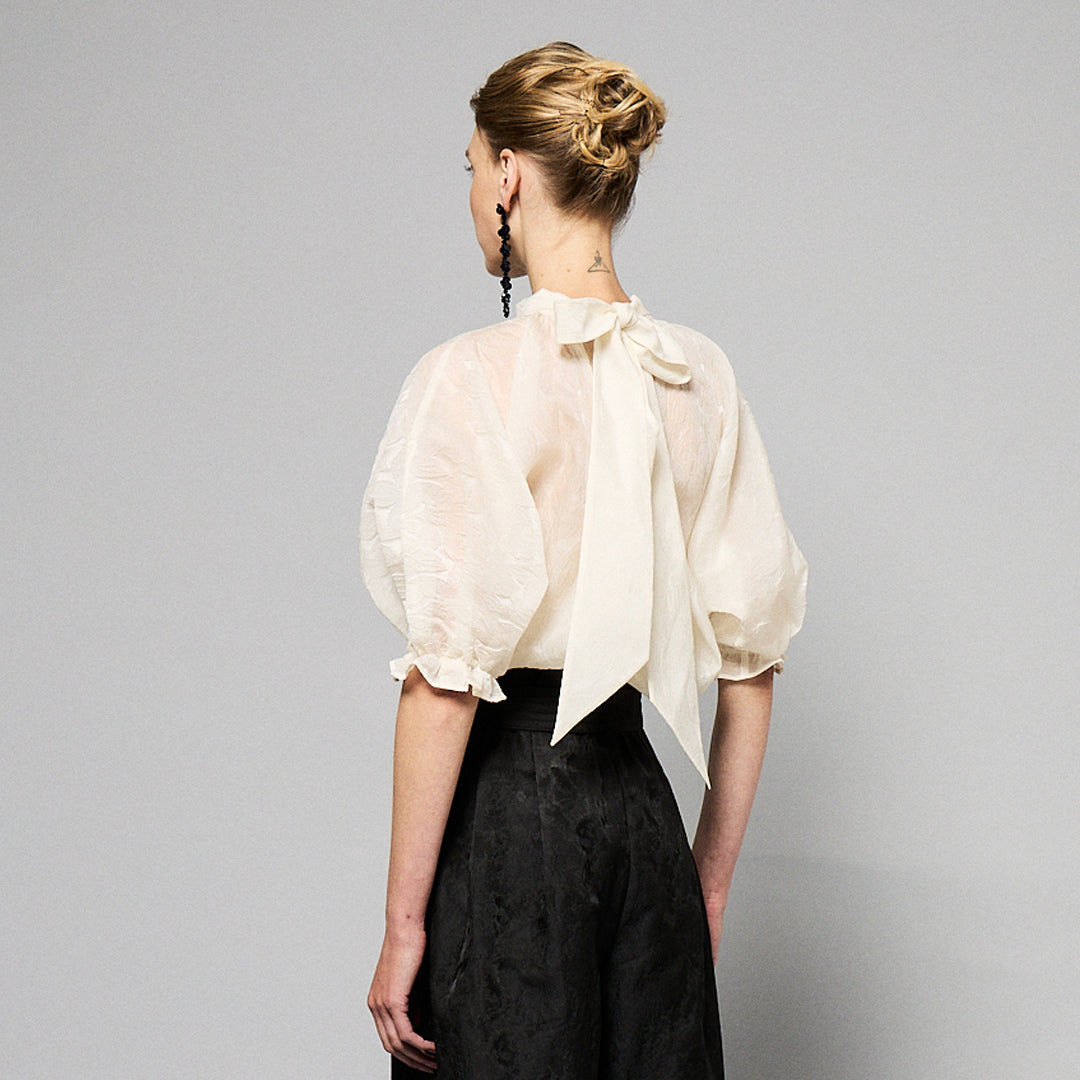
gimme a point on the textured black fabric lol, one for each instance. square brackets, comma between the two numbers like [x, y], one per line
[567, 937]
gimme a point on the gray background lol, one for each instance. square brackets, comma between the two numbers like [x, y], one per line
[227, 233]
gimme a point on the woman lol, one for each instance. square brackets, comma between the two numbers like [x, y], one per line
[568, 509]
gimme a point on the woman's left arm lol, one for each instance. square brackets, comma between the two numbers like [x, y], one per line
[429, 744]
[740, 732]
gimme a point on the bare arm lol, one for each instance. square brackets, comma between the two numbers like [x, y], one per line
[429, 743]
[739, 734]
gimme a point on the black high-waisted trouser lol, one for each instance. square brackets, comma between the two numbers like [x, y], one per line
[567, 937]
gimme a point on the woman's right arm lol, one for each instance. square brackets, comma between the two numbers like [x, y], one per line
[429, 744]
[743, 708]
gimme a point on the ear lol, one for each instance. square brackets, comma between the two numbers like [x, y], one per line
[509, 177]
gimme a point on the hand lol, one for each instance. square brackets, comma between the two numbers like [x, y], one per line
[388, 1000]
[714, 910]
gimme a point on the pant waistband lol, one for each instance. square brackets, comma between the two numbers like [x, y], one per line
[532, 700]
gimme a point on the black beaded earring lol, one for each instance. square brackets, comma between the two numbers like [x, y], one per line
[504, 249]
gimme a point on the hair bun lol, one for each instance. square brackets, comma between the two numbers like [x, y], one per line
[620, 117]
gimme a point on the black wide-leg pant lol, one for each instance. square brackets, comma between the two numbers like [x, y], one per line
[567, 937]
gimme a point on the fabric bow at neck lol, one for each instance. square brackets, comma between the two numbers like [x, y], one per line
[633, 618]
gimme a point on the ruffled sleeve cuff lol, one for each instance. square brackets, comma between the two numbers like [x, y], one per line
[448, 673]
[741, 664]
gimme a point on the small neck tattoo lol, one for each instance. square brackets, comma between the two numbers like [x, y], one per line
[598, 266]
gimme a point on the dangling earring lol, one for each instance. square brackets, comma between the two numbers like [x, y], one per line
[504, 234]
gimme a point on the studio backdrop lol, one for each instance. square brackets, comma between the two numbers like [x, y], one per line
[227, 233]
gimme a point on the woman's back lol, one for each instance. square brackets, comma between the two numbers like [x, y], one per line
[493, 436]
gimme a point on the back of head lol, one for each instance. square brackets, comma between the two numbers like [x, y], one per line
[586, 121]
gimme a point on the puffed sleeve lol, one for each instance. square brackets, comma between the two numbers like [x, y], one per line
[450, 539]
[750, 573]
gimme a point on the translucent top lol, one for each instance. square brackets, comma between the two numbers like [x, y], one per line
[581, 487]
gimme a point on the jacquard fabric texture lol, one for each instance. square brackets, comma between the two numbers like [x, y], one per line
[581, 487]
[567, 934]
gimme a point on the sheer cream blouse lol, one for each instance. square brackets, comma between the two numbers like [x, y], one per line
[581, 487]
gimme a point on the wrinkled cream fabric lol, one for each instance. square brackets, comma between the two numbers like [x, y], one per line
[583, 487]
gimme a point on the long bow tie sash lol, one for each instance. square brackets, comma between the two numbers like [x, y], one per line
[634, 618]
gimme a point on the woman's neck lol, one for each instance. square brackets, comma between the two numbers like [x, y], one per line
[570, 256]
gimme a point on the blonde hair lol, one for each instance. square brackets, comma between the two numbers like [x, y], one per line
[587, 122]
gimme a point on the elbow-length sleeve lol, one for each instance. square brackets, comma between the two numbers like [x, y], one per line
[450, 540]
[750, 573]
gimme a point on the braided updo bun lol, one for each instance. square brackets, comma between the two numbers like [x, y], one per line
[587, 122]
